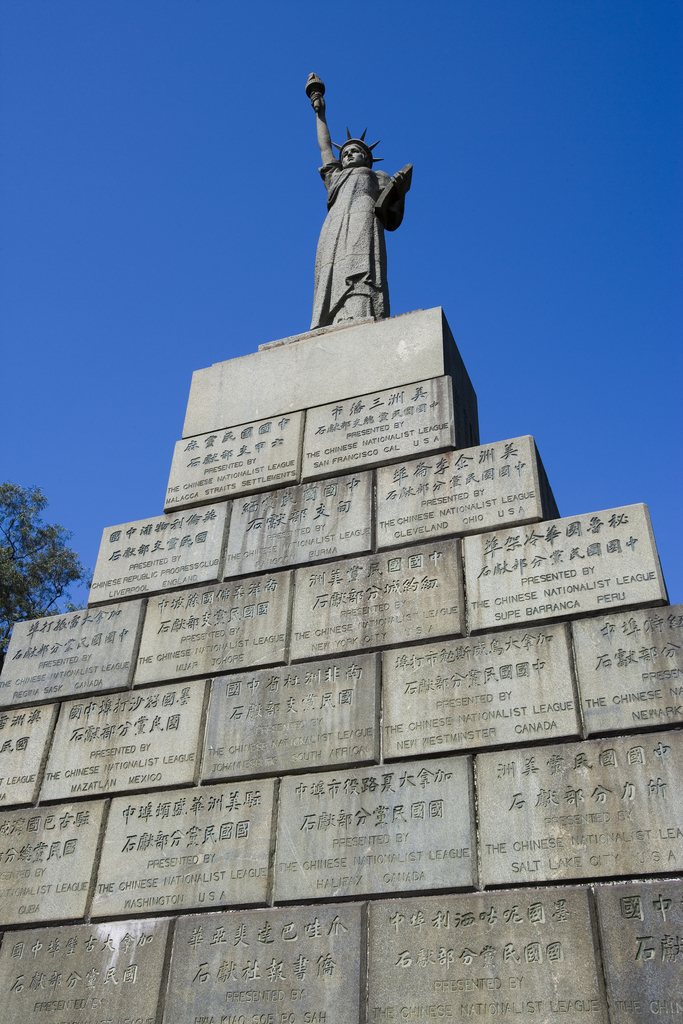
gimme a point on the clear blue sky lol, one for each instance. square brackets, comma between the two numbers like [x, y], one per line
[160, 207]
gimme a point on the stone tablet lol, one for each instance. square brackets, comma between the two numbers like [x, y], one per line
[300, 524]
[568, 567]
[88, 651]
[227, 626]
[159, 553]
[48, 861]
[641, 926]
[323, 713]
[298, 965]
[596, 809]
[463, 492]
[235, 460]
[128, 741]
[525, 954]
[187, 848]
[390, 829]
[630, 669]
[378, 600]
[505, 688]
[374, 429]
[25, 734]
[86, 974]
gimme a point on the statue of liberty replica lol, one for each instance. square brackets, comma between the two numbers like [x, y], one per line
[351, 260]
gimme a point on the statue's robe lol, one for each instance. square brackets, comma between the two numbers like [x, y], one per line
[351, 259]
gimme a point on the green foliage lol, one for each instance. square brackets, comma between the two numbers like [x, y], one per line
[36, 566]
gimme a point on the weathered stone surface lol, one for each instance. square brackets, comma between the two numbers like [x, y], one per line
[389, 829]
[641, 926]
[212, 629]
[596, 809]
[378, 600]
[505, 688]
[564, 568]
[374, 429]
[299, 965]
[463, 492]
[25, 734]
[237, 460]
[326, 365]
[187, 848]
[521, 954]
[89, 651]
[109, 973]
[159, 553]
[323, 713]
[630, 669]
[48, 861]
[326, 519]
[129, 741]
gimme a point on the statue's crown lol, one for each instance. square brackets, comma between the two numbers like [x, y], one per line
[359, 142]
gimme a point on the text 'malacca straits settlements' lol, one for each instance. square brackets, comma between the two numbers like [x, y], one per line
[351, 260]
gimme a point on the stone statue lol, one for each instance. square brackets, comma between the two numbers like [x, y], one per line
[351, 260]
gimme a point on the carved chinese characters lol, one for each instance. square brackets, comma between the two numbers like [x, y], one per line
[235, 460]
[108, 972]
[300, 965]
[488, 690]
[187, 848]
[380, 830]
[462, 492]
[510, 955]
[77, 652]
[159, 553]
[322, 713]
[24, 737]
[641, 925]
[583, 810]
[300, 524]
[378, 600]
[199, 632]
[378, 428]
[630, 669]
[128, 741]
[48, 861]
[568, 567]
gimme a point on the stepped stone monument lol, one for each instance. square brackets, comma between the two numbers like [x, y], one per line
[356, 727]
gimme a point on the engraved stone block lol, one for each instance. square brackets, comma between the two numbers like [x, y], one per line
[226, 626]
[300, 524]
[378, 600]
[382, 830]
[641, 925]
[463, 492]
[323, 713]
[25, 734]
[371, 430]
[630, 669]
[108, 973]
[187, 848]
[564, 568]
[505, 688]
[48, 861]
[159, 553]
[77, 652]
[128, 741]
[305, 963]
[508, 955]
[595, 809]
[251, 457]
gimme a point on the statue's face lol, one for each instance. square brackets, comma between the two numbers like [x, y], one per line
[355, 156]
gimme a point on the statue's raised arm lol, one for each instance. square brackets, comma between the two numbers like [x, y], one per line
[351, 262]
